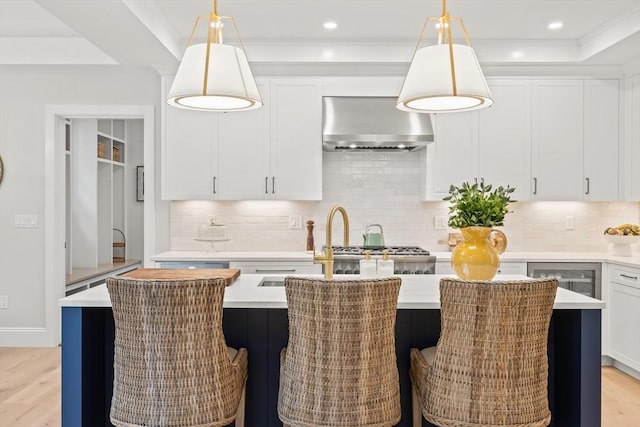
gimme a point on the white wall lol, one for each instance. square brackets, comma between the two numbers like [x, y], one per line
[25, 92]
[383, 188]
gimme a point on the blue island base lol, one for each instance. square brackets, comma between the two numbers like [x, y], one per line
[87, 362]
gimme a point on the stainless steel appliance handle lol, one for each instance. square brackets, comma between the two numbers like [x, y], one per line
[588, 186]
[266, 185]
[279, 270]
[273, 184]
[214, 185]
[629, 277]
[535, 185]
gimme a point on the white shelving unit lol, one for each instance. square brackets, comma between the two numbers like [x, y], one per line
[100, 192]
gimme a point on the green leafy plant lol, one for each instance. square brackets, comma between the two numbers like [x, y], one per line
[478, 204]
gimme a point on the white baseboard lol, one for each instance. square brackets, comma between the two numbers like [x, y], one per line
[25, 337]
[626, 369]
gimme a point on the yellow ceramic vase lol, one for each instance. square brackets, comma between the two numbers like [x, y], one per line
[476, 257]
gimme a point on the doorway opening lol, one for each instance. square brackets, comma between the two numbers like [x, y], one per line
[102, 155]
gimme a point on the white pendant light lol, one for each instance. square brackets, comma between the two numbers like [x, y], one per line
[213, 76]
[445, 77]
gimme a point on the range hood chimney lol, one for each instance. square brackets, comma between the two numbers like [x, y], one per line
[372, 124]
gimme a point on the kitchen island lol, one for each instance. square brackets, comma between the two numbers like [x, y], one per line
[255, 317]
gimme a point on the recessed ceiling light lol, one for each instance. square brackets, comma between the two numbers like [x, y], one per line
[330, 25]
[517, 54]
[555, 25]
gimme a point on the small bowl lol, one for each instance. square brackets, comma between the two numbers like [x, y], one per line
[621, 245]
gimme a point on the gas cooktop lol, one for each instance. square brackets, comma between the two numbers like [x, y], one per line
[393, 250]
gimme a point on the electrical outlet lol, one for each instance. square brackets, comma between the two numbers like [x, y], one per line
[25, 221]
[4, 301]
[441, 222]
[295, 222]
[568, 223]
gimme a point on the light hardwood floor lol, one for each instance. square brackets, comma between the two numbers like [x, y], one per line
[30, 391]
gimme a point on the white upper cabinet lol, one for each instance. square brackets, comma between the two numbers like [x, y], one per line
[504, 137]
[296, 139]
[493, 144]
[551, 139]
[243, 152]
[557, 138]
[575, 140]
[274, 152]
[601, 140]
[452, 158]
[631, 157]
[189, 149]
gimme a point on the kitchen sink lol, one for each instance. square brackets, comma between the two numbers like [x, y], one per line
[271, 281]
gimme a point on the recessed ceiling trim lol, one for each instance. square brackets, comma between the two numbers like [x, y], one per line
[51, 51]
[152, 17]
[610, 33]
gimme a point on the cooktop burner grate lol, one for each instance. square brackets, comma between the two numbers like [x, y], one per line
[393, 250]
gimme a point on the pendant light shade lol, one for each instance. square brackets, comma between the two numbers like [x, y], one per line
[213, 76]
[445, 77]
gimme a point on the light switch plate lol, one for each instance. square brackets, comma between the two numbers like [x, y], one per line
[295, 222]
[441, 223]
[25, 221]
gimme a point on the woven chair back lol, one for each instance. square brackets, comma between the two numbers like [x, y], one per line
[339, 368]
[171, 366]
[491, 366]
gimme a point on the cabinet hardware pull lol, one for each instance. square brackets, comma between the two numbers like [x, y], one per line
[535, 185]
[629, 277]
[214, 185]
[284, 270]
[266, 185]
[273, 184]
[588, 186]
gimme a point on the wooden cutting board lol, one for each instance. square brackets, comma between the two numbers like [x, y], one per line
[229, 274]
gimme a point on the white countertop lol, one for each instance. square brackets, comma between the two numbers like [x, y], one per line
[233, 256]
[416, 292]
[633, 261]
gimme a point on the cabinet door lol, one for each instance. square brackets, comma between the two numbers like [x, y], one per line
[243, 160]
[188, 153]
[512, 268]
[277, 267]
[296, 139]
[624, 321]
[504, 137]
[601, 140]
[632, 147]
[451, 159]
[557, 135]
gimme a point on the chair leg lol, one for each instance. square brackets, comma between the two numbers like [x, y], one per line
[239, 422]
[416, 408]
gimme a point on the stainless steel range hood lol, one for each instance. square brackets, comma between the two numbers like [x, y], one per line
[372, 123]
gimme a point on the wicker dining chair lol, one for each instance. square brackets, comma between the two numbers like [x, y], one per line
[171, 364]
[490, 365]
[339, 368]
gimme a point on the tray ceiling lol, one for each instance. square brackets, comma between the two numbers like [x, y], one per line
[154, 32]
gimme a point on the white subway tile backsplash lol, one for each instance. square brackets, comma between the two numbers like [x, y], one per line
[383, 188]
